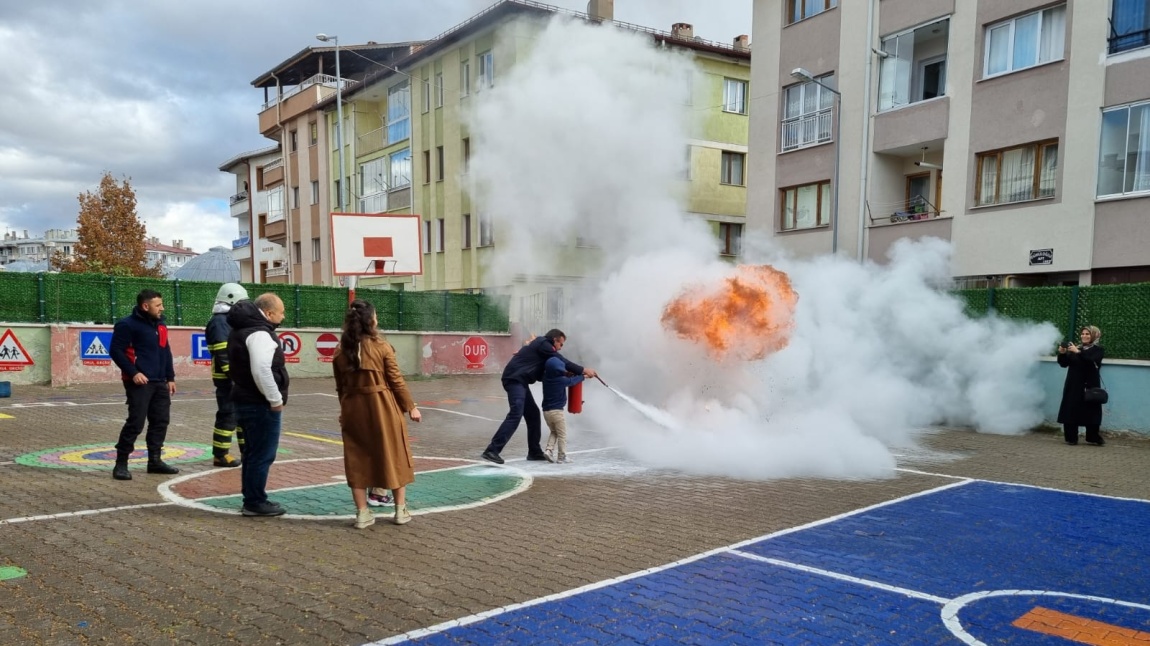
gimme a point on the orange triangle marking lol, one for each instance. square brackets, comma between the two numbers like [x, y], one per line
[1079, 629]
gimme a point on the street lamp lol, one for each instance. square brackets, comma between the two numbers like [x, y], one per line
[338, 114]
[804, 75]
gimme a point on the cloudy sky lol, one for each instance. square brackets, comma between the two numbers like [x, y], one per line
[160, 92]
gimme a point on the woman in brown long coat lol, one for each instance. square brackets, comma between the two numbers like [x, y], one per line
[372, 400]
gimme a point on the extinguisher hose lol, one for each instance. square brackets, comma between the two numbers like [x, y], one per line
[601, 380]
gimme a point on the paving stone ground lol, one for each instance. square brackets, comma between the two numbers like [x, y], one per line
[157, 572]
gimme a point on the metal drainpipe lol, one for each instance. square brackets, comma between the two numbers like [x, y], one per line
[865, 165]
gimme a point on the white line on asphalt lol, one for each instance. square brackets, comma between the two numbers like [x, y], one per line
[928, 473]
[914, 594]
[120, 402]
[438, 628]
[453, 412]
[85, 512]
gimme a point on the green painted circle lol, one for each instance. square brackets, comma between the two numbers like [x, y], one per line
[11, 572]
[435, 489]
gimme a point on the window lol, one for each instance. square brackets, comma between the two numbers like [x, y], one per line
[1016, 174]
[313, 129]
[315, 250]
[466, 154]
[373, 186]
[730, 238]
[486, 70]
[486, 230]
[807, 206]
[315, 191]
[295, 197]
[440, 235]
[439, 89]
[1124, 156]
[914, 68]
[1025, 41]
[688, 162]
[336, 191]
[426, 105]
[732, 168]
[439, 163]
[398, 112]
[801, 9]
[1129, 25]
[807, 113]
[400, 173]
[464, 78]
[427, 236]
[293, 140]
[427, 167]
[466, 230]
[297, 252]
[734, 96]
[275, 205]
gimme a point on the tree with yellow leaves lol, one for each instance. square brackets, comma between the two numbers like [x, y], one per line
[111, 235]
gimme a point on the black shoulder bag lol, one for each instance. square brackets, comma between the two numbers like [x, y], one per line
[1096, 394]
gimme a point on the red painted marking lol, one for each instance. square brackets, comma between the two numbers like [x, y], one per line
[1079, 629]
[377, 248]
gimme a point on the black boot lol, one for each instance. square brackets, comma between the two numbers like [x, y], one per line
[156, 465]
[120, 471]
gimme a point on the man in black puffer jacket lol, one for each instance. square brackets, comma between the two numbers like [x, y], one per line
[524, 369]
[259, 392]
[141, 351]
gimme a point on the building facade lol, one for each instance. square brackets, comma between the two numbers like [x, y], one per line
[1017, 129]
[168, 257]
[412, 148]
[21, 248]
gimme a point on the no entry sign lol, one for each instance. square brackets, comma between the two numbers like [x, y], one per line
[475, 351]
[325, 345]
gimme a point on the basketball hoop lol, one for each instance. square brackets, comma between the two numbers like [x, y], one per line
[378, 266]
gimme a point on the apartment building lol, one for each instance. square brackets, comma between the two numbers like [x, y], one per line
[1017, 129]
[285, 197]
[412, 146]
[21, 248]
[169, 257]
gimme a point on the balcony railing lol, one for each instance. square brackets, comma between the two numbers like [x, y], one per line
[239, 197]
[375, 203]
[1132, 40]
[370, 142]
[242, 241]
[806, 130]
[273, 272]
[275, 163]
[324, 80]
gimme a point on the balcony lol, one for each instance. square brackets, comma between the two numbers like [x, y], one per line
[245, 240]
[276, 231]
[242, 196]
[807, 130]
[298, 100]
[375, 203]
[274, 173]
[370, 142]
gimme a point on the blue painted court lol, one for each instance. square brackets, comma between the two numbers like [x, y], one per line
[973, 563]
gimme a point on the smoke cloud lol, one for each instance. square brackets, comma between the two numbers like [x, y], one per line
[586, 136]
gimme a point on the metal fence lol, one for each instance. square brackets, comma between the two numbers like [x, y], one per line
[87, 298]
[1122, 312]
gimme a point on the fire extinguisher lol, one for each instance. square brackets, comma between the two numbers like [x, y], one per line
[575, 398]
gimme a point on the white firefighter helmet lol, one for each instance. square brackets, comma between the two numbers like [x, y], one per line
[231, 293]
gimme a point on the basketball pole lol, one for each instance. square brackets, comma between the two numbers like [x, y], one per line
[350, 289]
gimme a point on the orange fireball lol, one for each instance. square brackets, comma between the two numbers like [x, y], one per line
[748, 317]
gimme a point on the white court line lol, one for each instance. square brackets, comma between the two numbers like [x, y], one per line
[453, 412]
[914, 594]
[86, 512]
[464, 621]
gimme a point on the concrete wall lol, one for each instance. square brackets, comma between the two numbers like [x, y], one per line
[1126, 381]
[58, 356]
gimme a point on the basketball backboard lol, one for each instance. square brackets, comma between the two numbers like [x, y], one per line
[365, 244]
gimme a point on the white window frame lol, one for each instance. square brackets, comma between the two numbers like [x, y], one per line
[439, 89]
[427, 236]
[464, 78]
[426, 95]
[734, 96]
[1138, 154]
[315, 191]
[398, 111]
[1044, 20]
[817, 122]
[485, 79]
[399, 169]
[316, 250]
[441, 225]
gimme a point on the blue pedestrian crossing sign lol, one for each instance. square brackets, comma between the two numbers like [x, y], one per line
[201, 356]
[94, 348]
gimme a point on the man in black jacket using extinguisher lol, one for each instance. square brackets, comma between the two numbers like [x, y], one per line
[141, 351]
[524, 369]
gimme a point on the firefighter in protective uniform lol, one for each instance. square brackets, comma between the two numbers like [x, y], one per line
[216, 334]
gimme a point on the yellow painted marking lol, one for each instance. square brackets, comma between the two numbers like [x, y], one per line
[316, 438]
[3, 416]
[1079, 630]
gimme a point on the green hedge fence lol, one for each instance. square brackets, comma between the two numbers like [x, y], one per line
[88, 298]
